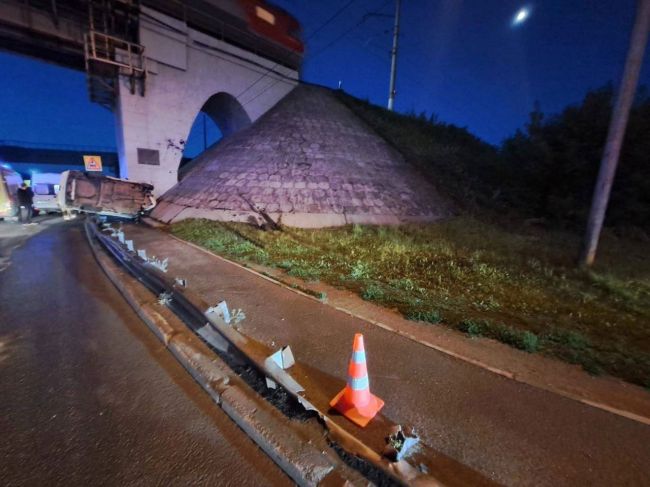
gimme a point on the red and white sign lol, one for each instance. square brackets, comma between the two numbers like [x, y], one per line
[93, 163]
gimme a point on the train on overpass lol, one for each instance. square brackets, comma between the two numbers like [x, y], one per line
[90, 34]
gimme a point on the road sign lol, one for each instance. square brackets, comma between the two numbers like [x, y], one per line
[93, 163]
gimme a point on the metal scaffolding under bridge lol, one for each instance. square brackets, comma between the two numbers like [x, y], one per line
[101, 37]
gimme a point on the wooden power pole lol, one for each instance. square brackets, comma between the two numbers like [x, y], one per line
[393, 58]
[616, 133]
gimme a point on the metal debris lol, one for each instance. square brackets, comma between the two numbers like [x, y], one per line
[238, 315]
[129, 245]
[399, 442]
[283, 358]
[142, 253]
[221, 310]
[159, 264]
[164, 299]
[120, 236]
[180, 282]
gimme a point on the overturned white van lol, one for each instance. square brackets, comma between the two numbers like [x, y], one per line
[104, 195]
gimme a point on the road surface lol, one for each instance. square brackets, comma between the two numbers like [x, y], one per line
[89, 396]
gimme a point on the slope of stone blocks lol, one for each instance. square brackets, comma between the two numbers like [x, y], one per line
[308, 162]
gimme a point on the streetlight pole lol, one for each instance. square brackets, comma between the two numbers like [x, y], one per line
[616, 132]
[393, 58]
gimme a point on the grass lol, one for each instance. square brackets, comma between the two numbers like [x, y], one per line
[519, 286]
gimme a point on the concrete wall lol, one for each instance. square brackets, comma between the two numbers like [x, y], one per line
[185, 69]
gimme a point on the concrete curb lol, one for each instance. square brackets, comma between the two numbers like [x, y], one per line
[299, 449]
[512, 375]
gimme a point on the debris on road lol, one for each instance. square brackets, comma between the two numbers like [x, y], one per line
[283, 357]
[220, 310]
[164, 299]
[161, 265]
[399, 442]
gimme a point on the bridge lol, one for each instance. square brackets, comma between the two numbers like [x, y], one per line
[157, 64]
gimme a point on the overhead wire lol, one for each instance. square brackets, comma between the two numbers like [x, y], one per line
[328, 21]
[341, 36]
[324, 48]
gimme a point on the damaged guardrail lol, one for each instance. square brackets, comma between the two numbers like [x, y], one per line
[215, 326]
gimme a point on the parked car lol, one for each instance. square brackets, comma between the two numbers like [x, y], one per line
[46, 188]
[104, 195]
[10, 181]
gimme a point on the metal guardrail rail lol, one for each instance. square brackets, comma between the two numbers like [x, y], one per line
[287, 393]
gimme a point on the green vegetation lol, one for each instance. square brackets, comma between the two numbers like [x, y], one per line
[459, 163]
[517, 286]
[506, 269]
[546, 171]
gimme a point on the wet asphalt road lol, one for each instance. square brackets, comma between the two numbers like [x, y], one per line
[88, 396]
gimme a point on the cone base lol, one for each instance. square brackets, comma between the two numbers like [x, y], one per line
[360, 416]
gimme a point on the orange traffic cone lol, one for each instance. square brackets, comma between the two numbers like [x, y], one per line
[355, 402]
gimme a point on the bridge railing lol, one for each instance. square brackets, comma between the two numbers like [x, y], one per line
[111, 50]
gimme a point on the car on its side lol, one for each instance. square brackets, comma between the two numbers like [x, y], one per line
[86, 192]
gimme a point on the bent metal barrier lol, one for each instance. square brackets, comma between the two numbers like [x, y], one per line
[213, 327]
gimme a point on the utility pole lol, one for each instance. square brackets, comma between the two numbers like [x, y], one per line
[616, 133]
[393, 58]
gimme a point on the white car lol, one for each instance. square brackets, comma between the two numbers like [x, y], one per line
[46, 188]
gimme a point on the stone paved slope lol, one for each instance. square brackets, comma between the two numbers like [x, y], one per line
[309, 162]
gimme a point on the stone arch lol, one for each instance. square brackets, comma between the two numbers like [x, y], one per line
[227, 114]
[226, 111]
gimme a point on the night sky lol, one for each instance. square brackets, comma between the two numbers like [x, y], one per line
[459, 59]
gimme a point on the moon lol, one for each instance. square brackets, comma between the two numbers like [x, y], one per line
[520, 16]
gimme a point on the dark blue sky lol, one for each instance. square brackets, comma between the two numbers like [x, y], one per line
[459, 59]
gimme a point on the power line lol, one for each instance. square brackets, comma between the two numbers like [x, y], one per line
[271, 85]
[337, 39]
[320, 51]
[328, 21]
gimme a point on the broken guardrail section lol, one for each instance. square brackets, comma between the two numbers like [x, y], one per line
[217, 330]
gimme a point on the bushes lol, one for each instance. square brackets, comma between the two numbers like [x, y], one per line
[547, 170]
[553, 164]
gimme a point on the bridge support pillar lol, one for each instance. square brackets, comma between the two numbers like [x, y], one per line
[188, 72]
